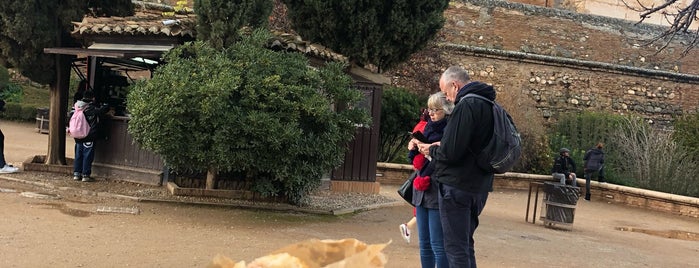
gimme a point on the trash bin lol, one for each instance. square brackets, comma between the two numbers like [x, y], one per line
[559, 203]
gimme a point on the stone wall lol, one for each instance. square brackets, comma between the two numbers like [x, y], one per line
[557, 87]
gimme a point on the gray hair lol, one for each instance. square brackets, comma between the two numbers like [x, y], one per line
[439, 101]
[456, 73]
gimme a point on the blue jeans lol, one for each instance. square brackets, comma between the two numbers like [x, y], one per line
[84, 154]
[588, 176]
[459, 211]
[429, 229]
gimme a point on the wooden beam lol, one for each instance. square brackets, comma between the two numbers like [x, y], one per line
[104, 53]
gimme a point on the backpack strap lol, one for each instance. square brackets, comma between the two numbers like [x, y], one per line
[472, 95]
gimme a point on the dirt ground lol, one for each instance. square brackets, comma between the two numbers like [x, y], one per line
[68, 233]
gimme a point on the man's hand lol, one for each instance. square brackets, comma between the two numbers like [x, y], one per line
[424, 148]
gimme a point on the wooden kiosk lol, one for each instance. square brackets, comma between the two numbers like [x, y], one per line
[117, 50]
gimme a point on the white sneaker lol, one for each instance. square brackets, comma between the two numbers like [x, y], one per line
[405, 232]
[8, 169]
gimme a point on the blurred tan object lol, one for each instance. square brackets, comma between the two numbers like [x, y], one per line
[314, 253]
[221, 261]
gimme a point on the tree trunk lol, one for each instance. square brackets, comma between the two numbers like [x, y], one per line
[58, 108]
[211, 175]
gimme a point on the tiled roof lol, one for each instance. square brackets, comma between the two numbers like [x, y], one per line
[292, 42]
[154, 24]
[142, 23]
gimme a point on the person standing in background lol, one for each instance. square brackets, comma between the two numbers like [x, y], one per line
[85, 147]
[594, 163]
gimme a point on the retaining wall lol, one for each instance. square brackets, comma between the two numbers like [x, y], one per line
[389, 173]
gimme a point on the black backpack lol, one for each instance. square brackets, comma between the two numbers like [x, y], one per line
[505, 147]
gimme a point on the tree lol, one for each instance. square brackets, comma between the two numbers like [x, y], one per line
[400, 111]
[247, 110]
[220, 20]
[679, 17]
[26, 28]
[382, 33]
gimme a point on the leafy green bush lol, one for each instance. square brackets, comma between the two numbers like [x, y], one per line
[400, 111]
[580, 132]
[247, 110]
[220, 20]
[4, 77]
[12, 110]
[651, 159]
[11, 93]
[20, 112]
[686, 133]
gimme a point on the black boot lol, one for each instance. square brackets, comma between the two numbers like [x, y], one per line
[587, 197]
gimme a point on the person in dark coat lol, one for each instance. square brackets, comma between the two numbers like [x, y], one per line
[463, 186]
[425, 191]
[564, 168]
[594, 163]
[85, 147]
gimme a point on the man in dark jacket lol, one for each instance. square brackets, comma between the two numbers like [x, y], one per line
[463, 186]
[594, 162]
[564, 168]
[85, 147]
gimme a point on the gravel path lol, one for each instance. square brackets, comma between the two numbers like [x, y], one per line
[319, 202]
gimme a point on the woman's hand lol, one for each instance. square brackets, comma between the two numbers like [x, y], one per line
[412, 144]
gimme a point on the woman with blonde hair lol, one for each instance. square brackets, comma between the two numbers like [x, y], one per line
[425, 192]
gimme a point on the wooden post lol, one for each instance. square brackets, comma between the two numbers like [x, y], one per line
[211, 175]
[57, 112]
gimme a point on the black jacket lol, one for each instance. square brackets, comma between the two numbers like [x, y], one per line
[430, 198]
[563, 164]
[594, 158]
[468, 131]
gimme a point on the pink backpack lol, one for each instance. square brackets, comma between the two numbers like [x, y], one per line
[78, 126]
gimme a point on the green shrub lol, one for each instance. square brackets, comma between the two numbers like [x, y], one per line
[20, 112]
[11, 93]
[4, 77]
[687, 132]
[651, 159]
[247, 110]
[400, 111]
[580, 132]
[12, 110]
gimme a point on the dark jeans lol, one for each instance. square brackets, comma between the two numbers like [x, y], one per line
[2, 150]
[588, 176]
[459, 211]
[429, 230]
[84, 154]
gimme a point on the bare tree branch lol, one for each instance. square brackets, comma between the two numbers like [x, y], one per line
[680, 20]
